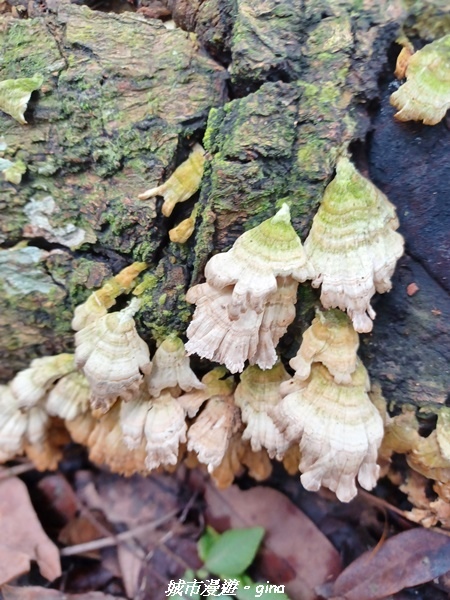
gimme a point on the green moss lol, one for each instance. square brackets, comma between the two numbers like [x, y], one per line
[314, 154]
[215, 118]
[27, 49]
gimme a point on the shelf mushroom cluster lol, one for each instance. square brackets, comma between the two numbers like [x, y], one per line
[327, 410]
[137, 414]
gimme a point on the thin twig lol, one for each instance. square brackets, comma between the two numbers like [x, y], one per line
[384, 535]
[7, 472]
[187, 508]
[114, 540]
[383, 504]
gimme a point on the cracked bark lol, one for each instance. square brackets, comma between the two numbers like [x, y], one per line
[123, 100]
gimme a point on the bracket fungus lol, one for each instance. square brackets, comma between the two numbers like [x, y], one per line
[213, 335]
[13, 425]
[249, 296]
[215, 383]
[12, 171]
[210, 434]
[98, 302]
[182, 184]
[165, 428]
[270, 250]
[426, 94]
[330, 340]
[106, 444]
[69, 397]
[112, 356]
[257, 394]
[183, 231]
[140, 435]
[353, 245]
[15, 94]
[238, 457]
[32, 384]
[171, 368]
[338, 428]
[27, 431]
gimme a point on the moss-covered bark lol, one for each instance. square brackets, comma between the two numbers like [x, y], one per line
[123, 99]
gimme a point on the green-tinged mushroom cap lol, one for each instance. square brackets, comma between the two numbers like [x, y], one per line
[426, 94]
[15, 94]
[270, 250]
[353, 246]
[12, 171]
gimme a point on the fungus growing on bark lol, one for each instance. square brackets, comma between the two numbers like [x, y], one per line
[426, 94]
[32, 384]
[210, 434]
[239, 457]
[15, 94]
[213, 335]
[330, 340]
[171, 368]
[213, 428]
[157, 425]
[13, 425]
[182, 184]
[249, 296]
[353, 246]
[183, 231]
[97, 304]
[25, 431]
[12, 171]
[69, 398]
[164, 429]
[257, 394]
[270, 250]
[106, 446]
[112, 356]
[338, 428]
[215, 383]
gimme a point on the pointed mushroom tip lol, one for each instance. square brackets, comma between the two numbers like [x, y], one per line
[344, 164]
[283, 215]
[132, 307]
[198, 148]
[172, 343]
[152, 192]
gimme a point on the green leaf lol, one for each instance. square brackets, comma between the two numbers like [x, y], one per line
[234, 551]
[206, 542]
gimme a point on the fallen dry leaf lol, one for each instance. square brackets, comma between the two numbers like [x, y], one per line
[80, 530]
[153, 553]
[40, 593]
[405, 560]
[22, 536]
[12, 563]
[59, 496]
[131, 501]
[130, 565]
[294, 553]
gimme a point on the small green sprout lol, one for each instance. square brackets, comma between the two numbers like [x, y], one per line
[226, 558]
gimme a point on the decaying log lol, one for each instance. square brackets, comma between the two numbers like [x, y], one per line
[123, 100]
